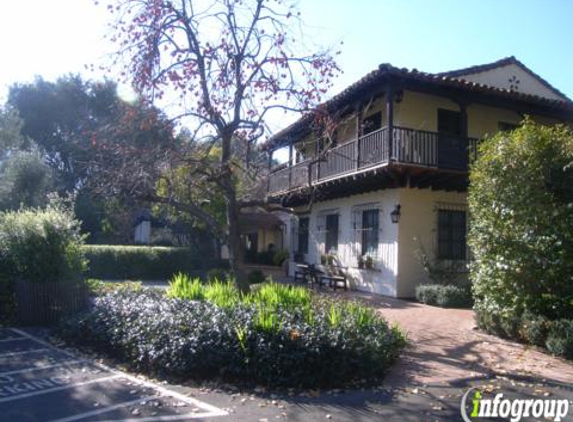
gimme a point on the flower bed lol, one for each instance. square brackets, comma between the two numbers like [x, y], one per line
[281, 336]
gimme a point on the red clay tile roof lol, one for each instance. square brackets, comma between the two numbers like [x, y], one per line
[444, 79]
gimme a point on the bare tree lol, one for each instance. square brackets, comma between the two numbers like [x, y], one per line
[230, 64]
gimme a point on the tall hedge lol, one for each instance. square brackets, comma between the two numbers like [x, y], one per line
[521, 235]
[113, 262]
[38, 245]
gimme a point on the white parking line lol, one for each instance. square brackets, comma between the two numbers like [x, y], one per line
[23, 352]
[42, 342]
[211, 411]
[63, 387]
[102, 410]
[170, 418]
[6, 340]
[39, 368]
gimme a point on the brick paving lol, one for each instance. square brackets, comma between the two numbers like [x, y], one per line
[448, 349]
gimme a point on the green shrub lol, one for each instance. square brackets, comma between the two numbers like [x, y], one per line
[428, 293]
[560, 338]
[38, 246]
[41, 245]
[254, 342]
[279, 257]
[278, 295]
[110, 262]
[99, 288]
[266, 257]
[534, 329]
[446, 296]
[218, 274]
[223, 294]
[256, 277]
[182, 286]
[521, 226]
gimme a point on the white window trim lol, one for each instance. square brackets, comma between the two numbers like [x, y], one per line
[356, 216]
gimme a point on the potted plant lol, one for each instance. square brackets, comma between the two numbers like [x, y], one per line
[369, 262]
[330, 259]
[360, 262]
[323, 259]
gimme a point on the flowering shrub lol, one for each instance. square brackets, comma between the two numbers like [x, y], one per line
[273, 337]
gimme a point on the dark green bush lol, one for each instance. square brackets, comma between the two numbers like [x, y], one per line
[256, 277]
[259, 340]
[446, 296]
[217, 274]
[279, 257]
[560, 338]
[38, 246]
[110, 262]
[266, 257]
[556, 336]
[521, 234]
[534, 329]
[101, 288]
[427, 293]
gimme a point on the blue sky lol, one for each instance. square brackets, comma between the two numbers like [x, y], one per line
[51, 38]
[438, 35]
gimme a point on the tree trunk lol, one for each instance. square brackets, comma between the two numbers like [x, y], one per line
[234, 236]
[235, 245]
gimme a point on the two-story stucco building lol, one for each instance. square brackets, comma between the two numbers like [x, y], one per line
[392, 178]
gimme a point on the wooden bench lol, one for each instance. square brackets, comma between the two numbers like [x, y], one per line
[304, 273]
[335, 278]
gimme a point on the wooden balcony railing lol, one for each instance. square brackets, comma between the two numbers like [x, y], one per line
[409, 146]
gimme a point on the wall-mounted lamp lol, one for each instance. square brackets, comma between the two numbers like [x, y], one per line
[395, 215]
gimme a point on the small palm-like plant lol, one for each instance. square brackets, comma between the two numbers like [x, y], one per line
[222, 294]
[182, 286]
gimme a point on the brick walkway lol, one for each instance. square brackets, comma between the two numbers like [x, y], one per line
[448, 349]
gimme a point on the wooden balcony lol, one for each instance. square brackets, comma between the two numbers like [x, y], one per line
[407, 147]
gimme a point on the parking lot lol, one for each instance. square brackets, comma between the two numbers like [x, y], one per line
[41, 383]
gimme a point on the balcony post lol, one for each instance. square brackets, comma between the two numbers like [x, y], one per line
[318, 156]
[390, 119]
[464, 129]
[290, 164]
[464, 119]
[358, 133]
[270, 164]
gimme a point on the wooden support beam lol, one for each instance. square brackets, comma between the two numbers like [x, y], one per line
[290, 164]
[359, 111]
[390, 119]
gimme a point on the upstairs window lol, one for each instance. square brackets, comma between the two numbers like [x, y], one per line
[303, 226]
[449, 122]
[372, 123]
[452, 229]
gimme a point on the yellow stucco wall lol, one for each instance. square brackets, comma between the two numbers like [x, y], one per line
[419, 221]
[500, 77]
[420, 111]
[268, 236]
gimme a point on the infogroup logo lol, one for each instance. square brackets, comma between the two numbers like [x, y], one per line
[475, 406]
